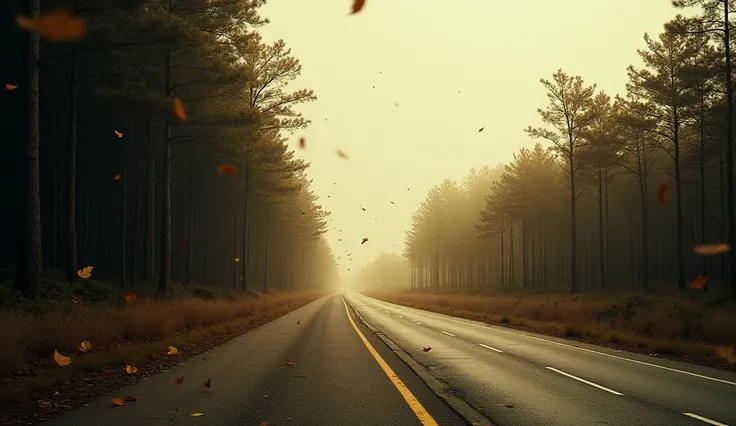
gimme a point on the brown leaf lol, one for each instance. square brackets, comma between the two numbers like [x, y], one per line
[227, 169]
[85, 272]
[58, 26]
[481, 129]
[10, 87]
[711, 249]
[62, 360]
[357, 6]
[699, 282]
[208, 383]
[117, 402]
[118, 134]
[663, 194]
[179, 380]
[131, 297]
[302, 143]
[179, 109]
[365, 240]
[342, 154]
[427, 349]
[172, 351]
[300, 376]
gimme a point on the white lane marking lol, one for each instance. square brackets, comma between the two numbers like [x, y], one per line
[491, 348]
[705, 419]
[585, 381]
[419, 323]
[449, 334]
[499, 329]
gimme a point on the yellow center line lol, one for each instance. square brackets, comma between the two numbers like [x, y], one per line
[424, 417]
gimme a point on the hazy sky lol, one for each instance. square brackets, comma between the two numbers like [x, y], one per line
[451, 71]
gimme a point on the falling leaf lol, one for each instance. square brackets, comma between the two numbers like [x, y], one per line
[290, 362]
[300, 376]
[172, 351]
[342, 154]
[365, 240]
[117, 402]
[62, 360]
[237, 259]
[427, 349]
[131, 297]
[662, 194]
[85, 272]
[392, 202]
[10, 87]
[481, 129]
[117, 177]
[227, 169]
[196, 414]
[58, 26]
[85, 346]
[297, 323]
[179, 109]
[302, 143]
[363, 208]
[75, 299]
[179, 380]
[699, 282]
[208, 383]
[357, 6]
[130, 369]
[118, 134]
[711, 249]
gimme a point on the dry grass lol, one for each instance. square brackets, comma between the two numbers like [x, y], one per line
[32, 336]
[666, 323]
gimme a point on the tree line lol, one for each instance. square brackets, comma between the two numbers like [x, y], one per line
[621, 190]
[108, 173]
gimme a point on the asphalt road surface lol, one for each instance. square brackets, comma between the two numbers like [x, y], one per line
[342, 381]
[518, 378]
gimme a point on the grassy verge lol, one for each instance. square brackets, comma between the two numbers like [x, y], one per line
[121, 333]
[683, 326]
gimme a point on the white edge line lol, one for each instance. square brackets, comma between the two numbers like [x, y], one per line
[491, 348]
[449, 334]
[578, 348]
[705, 419]
[585, 381]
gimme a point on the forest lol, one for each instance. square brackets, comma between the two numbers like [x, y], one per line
[147, 139]
[620, 192]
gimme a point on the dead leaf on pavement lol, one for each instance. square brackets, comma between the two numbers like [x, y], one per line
[62, 360]
[208, 383]
[117, 402]
[172, 351]
[427, 349]
[179, 380]
[300, 376]
[85, 346]
[131, 369]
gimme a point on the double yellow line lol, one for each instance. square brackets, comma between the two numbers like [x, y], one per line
[424, 417]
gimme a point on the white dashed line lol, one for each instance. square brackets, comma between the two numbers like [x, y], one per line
[705, 419]
[585, 381]
[491, 348]
[449, 334]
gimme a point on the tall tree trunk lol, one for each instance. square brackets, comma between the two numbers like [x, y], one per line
[678, 189]
[165, 264]
[573, 230]
[28, 272]
[729, 149]
[71, 190]
[137, 224]
[601, 235]
[512, 263]
[608, 232]
[124, 230]
[265, 254]
[191, 225]
[701, 160]
[246, 198]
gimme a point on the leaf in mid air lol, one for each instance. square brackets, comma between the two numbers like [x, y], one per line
[85, 346]
[62, 360]
[342, 154]
[663, 194]
[302, 143]
[357, 6]
[118, 134]
[179, 109]
[227, 169]
[58, 26]
[290, 362]
[427, 349]
[10, 87]
[85, 272]
[131, 297]
[75, 300]
[711, 249]
[699, 282]
[481, 129]
[365, 240]
[116, 177]
[237, 259]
